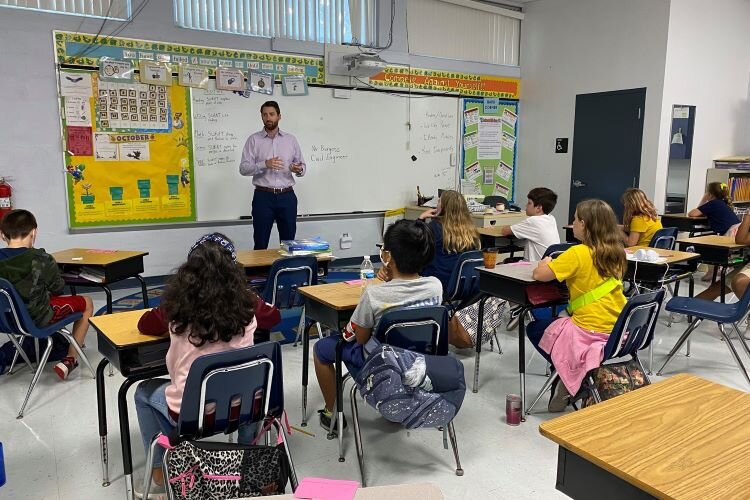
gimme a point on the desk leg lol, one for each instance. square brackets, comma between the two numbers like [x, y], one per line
[127, 459]
[522, 360]
[101, 405]
[143, 290]
[305, 368]
[723, 283]
[108, 292]
[479, 342]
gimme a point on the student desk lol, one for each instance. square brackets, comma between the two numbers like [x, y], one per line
[652, 273]
[684, 437]
[137, 357]
[332, 305]
[493, 237]
[508, 282]
[570, 238]
[117, 265]
[259, 260]
[479, 219]
[684, 223]
[716, 250]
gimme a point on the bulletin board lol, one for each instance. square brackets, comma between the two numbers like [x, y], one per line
[489, 132]
[128, 151]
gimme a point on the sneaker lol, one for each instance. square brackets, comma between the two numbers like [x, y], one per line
[156, 492]
[515, 315]
[560, 398]
[65, 366]
[325, 420]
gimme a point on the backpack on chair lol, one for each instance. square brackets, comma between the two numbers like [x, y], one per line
[612, 380]
[412, 389]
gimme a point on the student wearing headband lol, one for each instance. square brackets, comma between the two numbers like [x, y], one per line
[206, 308]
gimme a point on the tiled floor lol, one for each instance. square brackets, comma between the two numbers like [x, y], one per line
[53, 453]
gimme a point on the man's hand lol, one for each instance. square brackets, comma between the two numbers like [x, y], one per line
[275, 163]
[296, 168]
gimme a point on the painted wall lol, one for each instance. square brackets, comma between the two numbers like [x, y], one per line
[707, 66]
[31, 144]
[571, 47]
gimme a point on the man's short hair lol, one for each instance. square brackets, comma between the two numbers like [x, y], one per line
[17, 224]
[544, 197]
[271, 104]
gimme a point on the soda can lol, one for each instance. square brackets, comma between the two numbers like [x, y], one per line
[513, 409]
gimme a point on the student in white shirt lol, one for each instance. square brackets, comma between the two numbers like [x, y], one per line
[538, 231]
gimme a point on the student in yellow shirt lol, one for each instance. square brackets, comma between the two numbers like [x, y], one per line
[593, 272]
[640, 221]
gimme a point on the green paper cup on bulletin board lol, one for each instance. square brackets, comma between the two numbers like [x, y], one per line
[144, 187]
[116, 193]
[172, 182]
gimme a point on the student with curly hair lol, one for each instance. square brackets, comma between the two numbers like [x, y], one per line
[640, 220]
[209, 309]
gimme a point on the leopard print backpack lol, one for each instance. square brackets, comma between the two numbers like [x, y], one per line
[201, 470]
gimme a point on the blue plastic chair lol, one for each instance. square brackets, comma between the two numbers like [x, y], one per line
[664, 238]
[419, 329]
[285, 278]
[15, 321]
[721, 314]
[632, 332]
[463, 286]
[252, 375]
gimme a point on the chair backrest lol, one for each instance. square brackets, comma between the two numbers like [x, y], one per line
[421, 329]
[491, 201]
[464, 281]
[250, 380]
[664, 238]
[14, 315]
[635, 326]
[286, 276]
[556, 249]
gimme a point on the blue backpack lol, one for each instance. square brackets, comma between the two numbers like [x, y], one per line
[412, 389]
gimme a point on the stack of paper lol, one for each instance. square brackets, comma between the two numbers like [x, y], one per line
[311, 246]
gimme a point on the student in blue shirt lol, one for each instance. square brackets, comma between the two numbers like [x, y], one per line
[716, 206]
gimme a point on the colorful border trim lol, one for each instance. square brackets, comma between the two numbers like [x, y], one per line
[467, 84]
[85, 50]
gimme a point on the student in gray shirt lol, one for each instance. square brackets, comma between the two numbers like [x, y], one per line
[408, 246]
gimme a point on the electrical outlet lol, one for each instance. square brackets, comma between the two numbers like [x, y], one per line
[345, 242]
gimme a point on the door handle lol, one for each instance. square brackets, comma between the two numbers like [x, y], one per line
[579, 184]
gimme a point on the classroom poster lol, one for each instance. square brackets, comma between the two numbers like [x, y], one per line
[489, 147]
[133, 163]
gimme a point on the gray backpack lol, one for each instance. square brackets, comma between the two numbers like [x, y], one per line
[415, 390]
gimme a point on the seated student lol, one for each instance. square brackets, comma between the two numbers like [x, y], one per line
[36, 276]
[716, 206]
[210, 310]
[593, 272]
[640, 220]
[408, 246]
[539, 231]
[454, 233]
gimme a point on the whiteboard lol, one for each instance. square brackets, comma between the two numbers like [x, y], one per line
[358, 150]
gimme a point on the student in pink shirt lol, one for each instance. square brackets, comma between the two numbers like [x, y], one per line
[209, 310]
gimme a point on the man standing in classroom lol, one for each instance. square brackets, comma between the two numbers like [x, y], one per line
[273, 158]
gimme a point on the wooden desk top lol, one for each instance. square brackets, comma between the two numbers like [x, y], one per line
[518, 271]
[122, 328]
[93, 257]
[713, 240]
[684, 437]
[671, 256]
[265, 258]
[338, 296]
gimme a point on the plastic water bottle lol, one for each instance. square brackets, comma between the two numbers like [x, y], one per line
[366, 271]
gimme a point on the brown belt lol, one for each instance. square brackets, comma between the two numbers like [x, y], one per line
[274, 190]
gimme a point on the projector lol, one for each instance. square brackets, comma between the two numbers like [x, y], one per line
[364, 65]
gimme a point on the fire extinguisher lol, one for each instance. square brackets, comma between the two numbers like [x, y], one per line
[6, 204]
